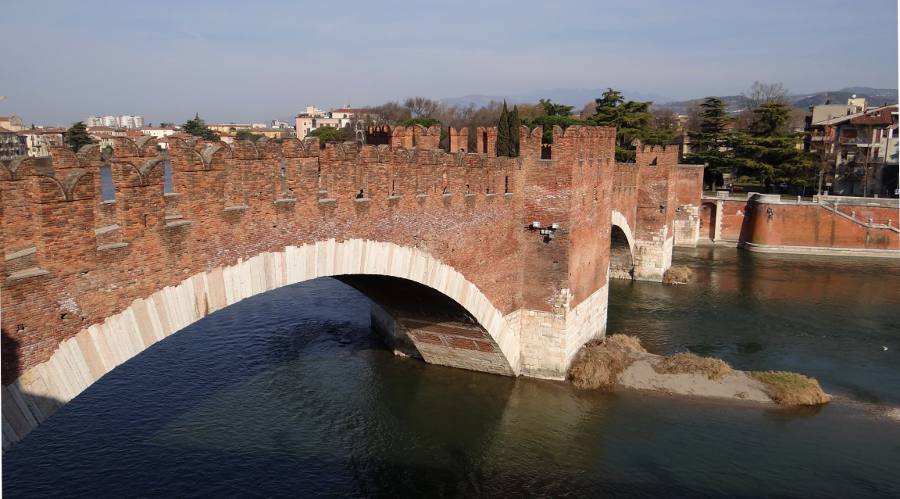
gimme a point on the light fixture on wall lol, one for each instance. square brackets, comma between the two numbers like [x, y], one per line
[548, 232]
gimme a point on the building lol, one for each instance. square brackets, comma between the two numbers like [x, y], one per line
[105, 132]
[336, 118]
[229, 131]
[312, 119]
[38, 140]
[157, 132]
[122, 121]
[859, 144]
[12, 123]
[12, 144]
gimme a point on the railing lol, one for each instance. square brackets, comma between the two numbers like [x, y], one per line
[832, 206]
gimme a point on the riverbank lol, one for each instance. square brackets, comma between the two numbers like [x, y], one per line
[621, 362]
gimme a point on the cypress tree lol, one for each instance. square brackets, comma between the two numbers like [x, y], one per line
[514, 124]
[503, 141]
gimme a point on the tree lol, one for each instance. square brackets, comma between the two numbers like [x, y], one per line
[247, 135]
[763, 93]
[588, 110]
[425, 122]
[390, 112]
[552, 109]
[665, 119]
[710, 141]
[197, 127]
[77, 136]
[503, 135]
[420, 107]
[514, 124]
[327, 134]
[768, 149]
[632, 120]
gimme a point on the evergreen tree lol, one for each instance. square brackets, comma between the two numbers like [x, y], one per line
[514, 124]
[709, 143]
[632, 120]
[77, 136]
[551, 109]
[198, 128]
[503, 135]
[768, 149]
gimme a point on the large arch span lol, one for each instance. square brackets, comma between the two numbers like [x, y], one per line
[485, 342]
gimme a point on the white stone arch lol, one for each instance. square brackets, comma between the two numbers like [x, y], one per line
[620, 221]
[621, 259]
[83, 359]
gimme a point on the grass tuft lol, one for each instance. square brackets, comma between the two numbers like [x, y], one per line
[788, 388]
[678, 275]
[626, 342]
[691, 363]
[598, 364]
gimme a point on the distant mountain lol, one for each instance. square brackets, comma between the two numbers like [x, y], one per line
[874, 96]
[576, 97]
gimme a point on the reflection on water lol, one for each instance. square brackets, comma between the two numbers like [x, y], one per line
[827, 317]
[288, 394]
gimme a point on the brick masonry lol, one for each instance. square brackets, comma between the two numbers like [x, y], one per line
[91, 281]
[768, 223]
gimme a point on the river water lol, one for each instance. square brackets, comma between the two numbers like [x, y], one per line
[290, 394]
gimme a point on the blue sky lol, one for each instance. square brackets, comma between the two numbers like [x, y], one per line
[241, 61]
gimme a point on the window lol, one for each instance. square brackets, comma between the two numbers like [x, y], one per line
[167, 177]
[107, 189]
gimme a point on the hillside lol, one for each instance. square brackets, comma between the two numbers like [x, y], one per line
[875, 97]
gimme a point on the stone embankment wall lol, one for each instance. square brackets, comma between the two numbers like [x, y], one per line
[828, 225]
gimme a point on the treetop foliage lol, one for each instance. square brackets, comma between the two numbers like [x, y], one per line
[425, 122]
[77, 136]
[197, 127]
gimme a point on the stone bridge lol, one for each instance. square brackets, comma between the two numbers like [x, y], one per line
[492, 264]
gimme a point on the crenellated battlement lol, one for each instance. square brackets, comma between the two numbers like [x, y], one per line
[193, 182]
[230, 174]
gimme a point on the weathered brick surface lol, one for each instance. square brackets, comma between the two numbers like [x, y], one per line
[91, 259]
[688, 191]
[792, 224]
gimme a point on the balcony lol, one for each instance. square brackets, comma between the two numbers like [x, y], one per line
[857, 141]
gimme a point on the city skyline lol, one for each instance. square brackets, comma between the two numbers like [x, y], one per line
[240, 62]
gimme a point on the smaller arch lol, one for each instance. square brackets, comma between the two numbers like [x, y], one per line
[621, 248]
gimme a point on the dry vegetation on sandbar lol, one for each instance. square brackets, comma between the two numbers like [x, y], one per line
[678, 275]
[599, 363]
[691, 363]
[788, 388]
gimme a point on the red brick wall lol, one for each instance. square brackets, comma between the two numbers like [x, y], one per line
[804, 224]
[732, 219]
[479, 234]
[811, 225]
[234, 202]
[656, 190]
[688, 185]
[624, 193]
[589, 153]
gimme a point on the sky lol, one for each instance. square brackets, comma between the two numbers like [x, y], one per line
[257, 61]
